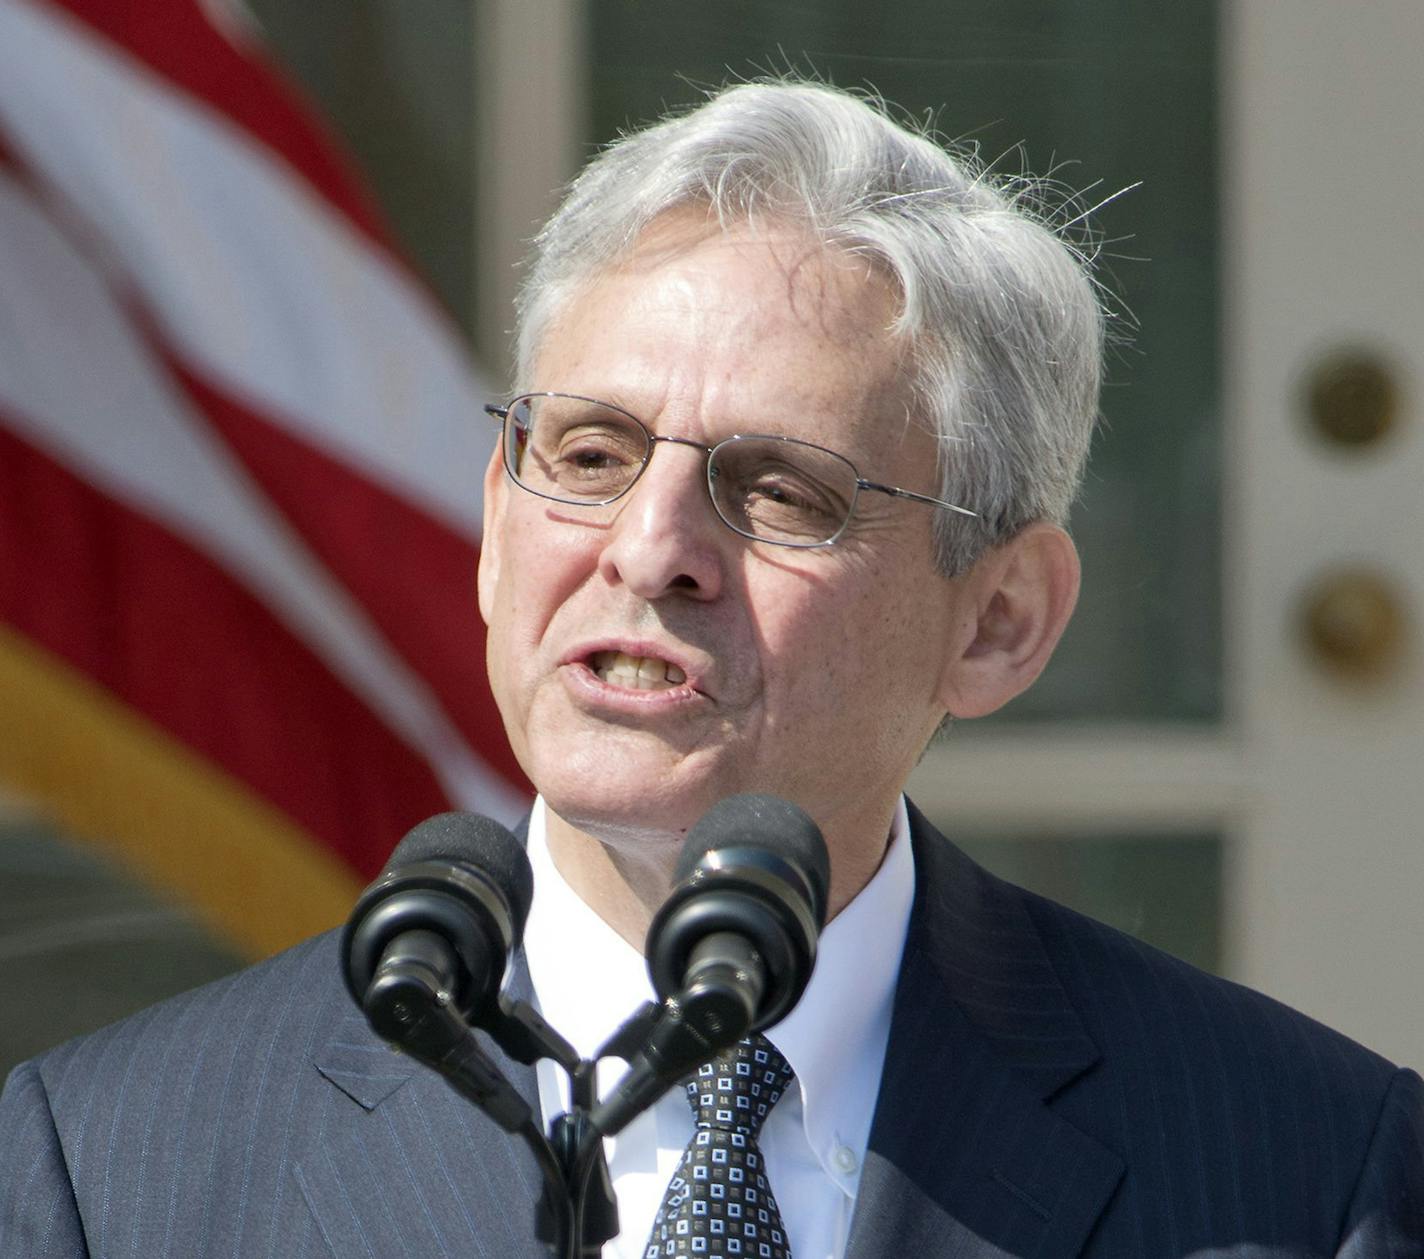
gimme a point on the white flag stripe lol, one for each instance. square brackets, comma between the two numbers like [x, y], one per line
[259, 285]
[111, 415]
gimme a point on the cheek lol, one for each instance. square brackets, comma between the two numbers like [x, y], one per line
[539, 563]
[498, 656]
[544, 571]
[871, 652]
[506, 589]
[808, 669]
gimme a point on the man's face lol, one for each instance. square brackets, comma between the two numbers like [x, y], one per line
[810, 674]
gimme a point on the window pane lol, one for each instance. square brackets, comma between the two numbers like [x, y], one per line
[1128, 91]
[396, 81]
[1163, 889]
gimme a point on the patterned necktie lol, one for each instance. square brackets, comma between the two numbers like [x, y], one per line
[718, 1202]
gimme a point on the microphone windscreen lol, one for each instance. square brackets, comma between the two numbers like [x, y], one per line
[472, 840]
[769, 823]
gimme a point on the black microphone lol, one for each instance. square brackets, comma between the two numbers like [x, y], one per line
[732, 948]
[746, 911]
[427, 946]
[463, 882]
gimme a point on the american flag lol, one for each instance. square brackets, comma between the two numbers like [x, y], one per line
[240, 460]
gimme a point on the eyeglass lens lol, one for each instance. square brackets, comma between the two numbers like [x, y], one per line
[777, 489]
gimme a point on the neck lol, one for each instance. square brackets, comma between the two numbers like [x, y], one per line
[620, 884]
[625, 883]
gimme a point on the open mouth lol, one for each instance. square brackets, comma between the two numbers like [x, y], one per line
[636, 673]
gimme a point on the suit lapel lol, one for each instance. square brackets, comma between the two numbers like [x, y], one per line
[406, 1166]
[966, 1157]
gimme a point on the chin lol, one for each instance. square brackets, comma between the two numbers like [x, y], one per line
[627, 805]
[614, 779]
[615, 819]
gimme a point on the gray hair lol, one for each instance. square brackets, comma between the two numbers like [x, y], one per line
[1000, 307]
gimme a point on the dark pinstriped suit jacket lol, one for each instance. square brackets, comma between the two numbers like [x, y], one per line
[1052, 1089]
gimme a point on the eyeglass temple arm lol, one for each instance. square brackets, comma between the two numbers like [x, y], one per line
[896, 492]
[496, 412]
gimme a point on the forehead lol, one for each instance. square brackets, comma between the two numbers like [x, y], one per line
[711, 331]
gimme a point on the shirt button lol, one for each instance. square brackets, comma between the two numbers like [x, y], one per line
[844, 1159]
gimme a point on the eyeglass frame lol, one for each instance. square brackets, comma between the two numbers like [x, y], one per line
[500, 413]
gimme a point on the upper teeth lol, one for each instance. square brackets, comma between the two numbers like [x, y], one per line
[641, 673]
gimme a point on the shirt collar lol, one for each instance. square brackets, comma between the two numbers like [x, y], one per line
[586, 977]
[836, 1035]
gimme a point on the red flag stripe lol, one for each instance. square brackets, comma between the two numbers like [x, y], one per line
[415, 576]
[236, 490]
[265, 289]
[141, 444]
[174, 636]
[178, 42]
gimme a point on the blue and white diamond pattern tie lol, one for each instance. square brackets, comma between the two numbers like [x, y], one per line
[718, 1204]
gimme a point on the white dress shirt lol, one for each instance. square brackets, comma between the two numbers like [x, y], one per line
[587, 979]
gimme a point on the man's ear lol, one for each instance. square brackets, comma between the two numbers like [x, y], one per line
[1017, 600]
[491, 533]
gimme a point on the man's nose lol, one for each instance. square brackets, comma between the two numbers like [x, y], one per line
[666, 536]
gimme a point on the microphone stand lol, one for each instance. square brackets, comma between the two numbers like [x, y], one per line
[571, 1157]
[662, 1043]
[409, 1003]
[593, 1205]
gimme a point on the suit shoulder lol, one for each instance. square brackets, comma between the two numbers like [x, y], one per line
[1130, 993]
[1126, 992]
[258, 1008]
[1180, 1049]
[1303, 1116]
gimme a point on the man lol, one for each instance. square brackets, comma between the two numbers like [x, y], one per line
[801, 408]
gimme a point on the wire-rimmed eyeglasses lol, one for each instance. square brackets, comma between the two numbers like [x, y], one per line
[771, 489]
